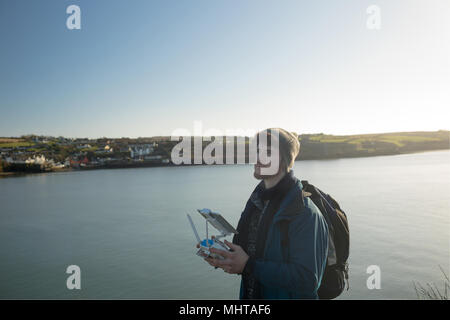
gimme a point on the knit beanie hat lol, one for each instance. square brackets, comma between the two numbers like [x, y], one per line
[288, 143]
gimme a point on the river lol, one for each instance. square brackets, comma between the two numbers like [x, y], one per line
[127, 229]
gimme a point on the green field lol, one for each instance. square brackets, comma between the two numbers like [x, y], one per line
[399, 139]
[16, 144]
[319, 146]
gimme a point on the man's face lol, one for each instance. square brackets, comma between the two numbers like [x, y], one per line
[265, 160]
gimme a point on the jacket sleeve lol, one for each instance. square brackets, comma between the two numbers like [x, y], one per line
[308, 248]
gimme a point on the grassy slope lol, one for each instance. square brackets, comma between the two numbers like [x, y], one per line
[318, 146]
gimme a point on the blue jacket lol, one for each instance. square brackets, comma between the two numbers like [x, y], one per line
[294, 271]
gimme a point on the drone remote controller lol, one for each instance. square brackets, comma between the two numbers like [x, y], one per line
[217, 221]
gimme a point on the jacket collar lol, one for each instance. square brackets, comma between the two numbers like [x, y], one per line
[289, 207]
[291, 204]
[280, 190]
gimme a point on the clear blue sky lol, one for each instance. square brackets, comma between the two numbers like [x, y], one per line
[145, 68]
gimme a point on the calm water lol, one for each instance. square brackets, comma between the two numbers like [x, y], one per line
[128, 232]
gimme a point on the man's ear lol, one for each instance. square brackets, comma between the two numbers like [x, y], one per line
[282, 167]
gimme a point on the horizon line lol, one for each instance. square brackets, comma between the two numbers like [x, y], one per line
[164, 136]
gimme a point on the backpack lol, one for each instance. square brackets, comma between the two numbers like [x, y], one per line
[336, 270]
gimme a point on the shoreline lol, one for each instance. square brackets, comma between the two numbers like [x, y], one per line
[159, 165]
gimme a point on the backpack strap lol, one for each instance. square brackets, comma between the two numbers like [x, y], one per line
[284, 224]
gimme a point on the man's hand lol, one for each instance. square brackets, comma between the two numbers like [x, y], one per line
[202, 253]
[234, 261]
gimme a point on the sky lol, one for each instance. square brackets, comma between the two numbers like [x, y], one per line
[146, 68]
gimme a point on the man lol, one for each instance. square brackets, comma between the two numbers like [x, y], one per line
[282, 242]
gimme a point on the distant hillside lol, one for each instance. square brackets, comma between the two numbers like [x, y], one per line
[313, 146]
[322, 146]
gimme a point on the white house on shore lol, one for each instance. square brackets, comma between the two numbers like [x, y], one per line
[141, 150]
[37, 160]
